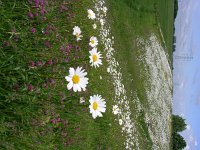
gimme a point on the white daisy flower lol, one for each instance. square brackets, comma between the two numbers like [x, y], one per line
[91, 14]
[97, 106]
[93, 41]
[95, 58]
[100, 77]
[108, 70]
[77, 33]
[102, 22]
[94, 26]
[120, 121]
[105, 9]
[77, 79]
[115, 109]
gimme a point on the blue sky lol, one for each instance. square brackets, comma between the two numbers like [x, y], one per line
[187, 70]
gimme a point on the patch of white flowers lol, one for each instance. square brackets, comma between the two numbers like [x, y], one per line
[122, 108]
[159, 91]
[158, 88]
[77, 80]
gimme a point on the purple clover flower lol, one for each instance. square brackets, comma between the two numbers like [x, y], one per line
[30, 87]
[47, 44]
[78, 48]
[33, 30]
[49, 62]
[69, 47]
[6, 43]
[32, 64]
[52, 82]
[30, 14]
[39, 63]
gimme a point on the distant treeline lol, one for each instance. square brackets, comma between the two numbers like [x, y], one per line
[175, 8]
[175, 14]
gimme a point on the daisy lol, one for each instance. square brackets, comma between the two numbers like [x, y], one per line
[108, 70]
[77, 79]
[95, 58]
[120, 121]
[91, 14]
[105, 9]
[77, 33]
[100, 77]
[102, 22]
[97, 106]
[115, 109]
[94, 26]
[93, 41]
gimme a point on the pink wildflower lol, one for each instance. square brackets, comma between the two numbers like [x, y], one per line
[30, 87]
[30, 14]
[33, 30]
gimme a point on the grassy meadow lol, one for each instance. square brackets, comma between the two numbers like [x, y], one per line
[37, 48]
[129, 20]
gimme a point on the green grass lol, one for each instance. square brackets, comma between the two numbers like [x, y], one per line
[26, 116]
[166, 18]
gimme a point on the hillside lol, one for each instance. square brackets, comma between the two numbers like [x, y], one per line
[85, 74]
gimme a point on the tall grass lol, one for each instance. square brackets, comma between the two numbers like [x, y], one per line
[37, 49]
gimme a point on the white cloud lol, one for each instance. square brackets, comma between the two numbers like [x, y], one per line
[195, 143]
[187, 73]
[188, 127]
[187, 148]
[182, 115]
[191, 138]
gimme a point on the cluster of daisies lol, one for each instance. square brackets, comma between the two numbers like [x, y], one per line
[77, 80]
[123, 112]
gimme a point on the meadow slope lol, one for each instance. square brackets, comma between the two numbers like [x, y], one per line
[39, 110]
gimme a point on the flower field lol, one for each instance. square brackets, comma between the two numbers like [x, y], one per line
[65, 83]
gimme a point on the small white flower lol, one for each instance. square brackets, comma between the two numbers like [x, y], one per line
[91, 14]
[93, 41]
[94, 26]
[79, 38]
[105, 9]
[120, 121]
[77, 79]
[100, 77]
[77, 33]
[108, 70]
[82, 100]
[115, 109]
[102, 22]
[97, 106]
[95, 58]
[43, 32]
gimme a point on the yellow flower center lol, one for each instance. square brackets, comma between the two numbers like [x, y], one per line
[92, 41]
[94, 57]
[77, 34]
[75, 79]
[95, 105]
